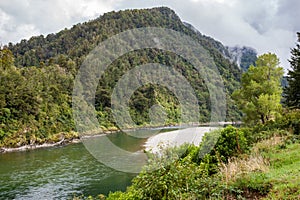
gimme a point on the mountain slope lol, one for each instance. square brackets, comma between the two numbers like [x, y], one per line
[78, 41]
[59, 56]
[242, 56]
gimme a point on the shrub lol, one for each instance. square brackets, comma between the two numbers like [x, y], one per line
[231, 143]
[181, 180]
[218, 146]
[221, 144]
[208, 143]
[290, 120]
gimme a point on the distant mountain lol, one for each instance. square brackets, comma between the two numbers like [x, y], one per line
[242, 56]
[64, 52]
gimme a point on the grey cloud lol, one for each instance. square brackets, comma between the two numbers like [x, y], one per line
[289, 14]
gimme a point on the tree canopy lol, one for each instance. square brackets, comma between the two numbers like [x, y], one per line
[260, 93]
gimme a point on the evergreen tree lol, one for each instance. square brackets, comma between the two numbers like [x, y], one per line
[292, 91]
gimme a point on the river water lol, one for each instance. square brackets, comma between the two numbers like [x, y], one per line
[62, 172]
[68, 171]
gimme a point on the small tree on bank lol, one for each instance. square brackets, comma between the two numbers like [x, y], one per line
[292, 91]
[260, 92]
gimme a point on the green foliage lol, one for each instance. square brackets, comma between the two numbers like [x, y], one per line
[260, 94]
[208, 142]
[292, 91]
[289, 120]
[37, 75]
[34, 103]
[219, 145]
[187, 178]
[205, 155]
[174, 181]
[6, 59]
[230, 143]
[254, 183]
[286, 124]
[168, 175]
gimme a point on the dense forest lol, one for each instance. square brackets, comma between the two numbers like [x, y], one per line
[37, 77]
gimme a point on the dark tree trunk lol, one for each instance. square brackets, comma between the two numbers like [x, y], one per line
[262, 117]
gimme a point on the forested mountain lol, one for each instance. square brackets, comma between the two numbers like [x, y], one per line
[37, 78]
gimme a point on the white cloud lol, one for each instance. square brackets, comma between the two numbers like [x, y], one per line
[22, 19]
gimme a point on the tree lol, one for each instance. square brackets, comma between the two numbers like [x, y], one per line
[260, 92]
[6, 59]
[292, 91]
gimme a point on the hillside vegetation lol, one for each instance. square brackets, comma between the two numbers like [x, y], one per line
[37, 77]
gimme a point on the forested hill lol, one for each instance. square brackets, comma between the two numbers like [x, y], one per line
[36, 88]
[77, 42]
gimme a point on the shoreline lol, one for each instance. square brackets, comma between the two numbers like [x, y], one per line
[30, 147]
[192, 135]
[100, 132]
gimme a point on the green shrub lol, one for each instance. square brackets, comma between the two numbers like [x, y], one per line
[221, 144]
[177, 181]
[231, 143]
[208, 143]
[290, 120]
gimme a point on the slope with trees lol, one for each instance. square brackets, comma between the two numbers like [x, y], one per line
[37, 90]
[35, 103]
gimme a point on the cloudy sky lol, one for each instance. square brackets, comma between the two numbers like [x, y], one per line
[266, 25]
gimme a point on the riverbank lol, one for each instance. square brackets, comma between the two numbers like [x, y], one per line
[39, 146]
[152, 143]
[176, 138]
[19, 143]
[58, 139]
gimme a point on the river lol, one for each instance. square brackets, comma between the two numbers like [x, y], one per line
[68, 171]
[62, 172]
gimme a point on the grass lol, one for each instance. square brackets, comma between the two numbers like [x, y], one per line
[284, 171]
[237, 167]
[280, 179]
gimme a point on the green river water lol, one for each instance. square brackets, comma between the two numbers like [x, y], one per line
[62, 172]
